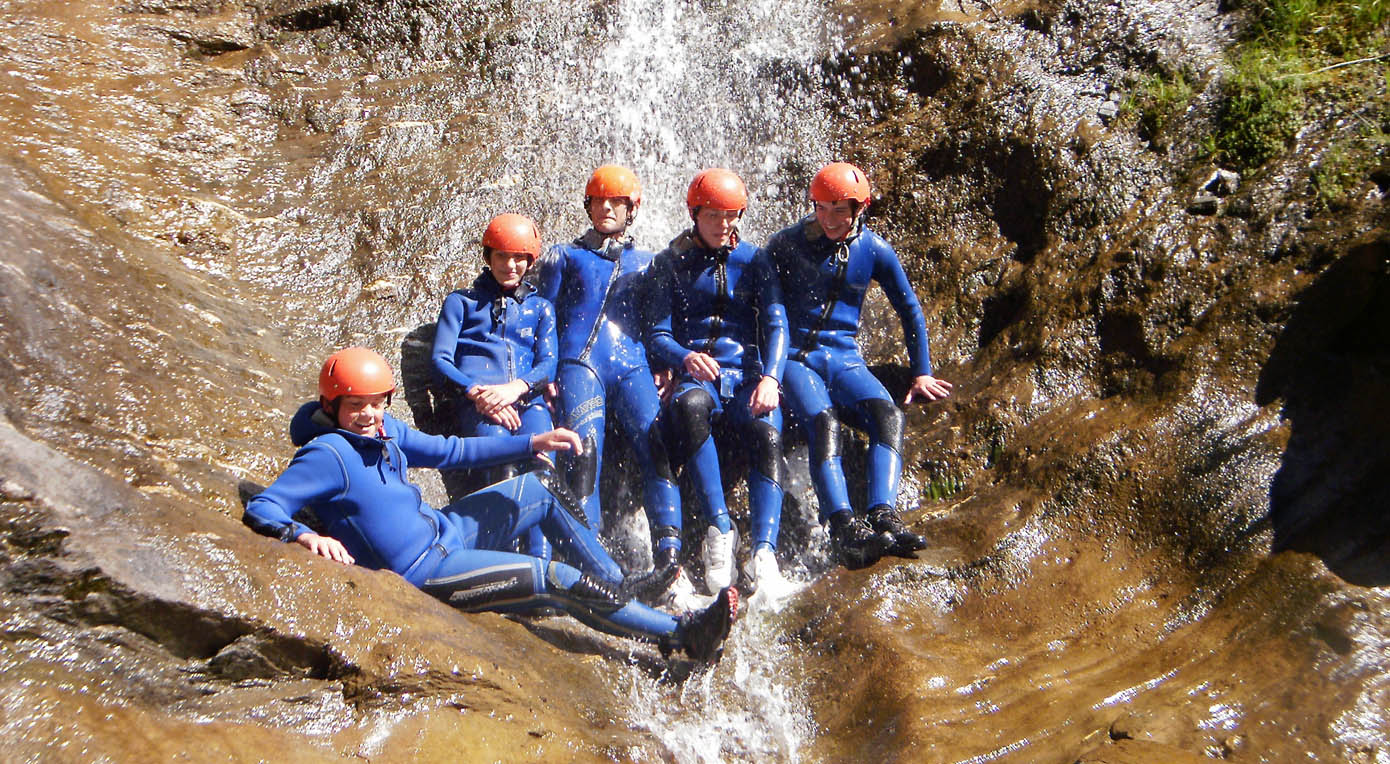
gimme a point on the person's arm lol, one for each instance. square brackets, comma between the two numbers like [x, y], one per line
[775, 334]
[773, 338]
[452, 452]
[315, 474]
[446, 336]
[661, 337]
[545, 349]
[548, 272]
[889, 273]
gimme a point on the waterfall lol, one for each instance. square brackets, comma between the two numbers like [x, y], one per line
[668, 88]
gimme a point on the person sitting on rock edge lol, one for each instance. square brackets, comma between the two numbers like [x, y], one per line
[350, 469]
[495, 342]
[718, 318]
[596, 283]
[825, 262]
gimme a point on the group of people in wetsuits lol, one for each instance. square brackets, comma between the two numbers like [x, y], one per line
[711, 337]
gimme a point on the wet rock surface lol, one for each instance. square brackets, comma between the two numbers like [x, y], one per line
[1155, 499]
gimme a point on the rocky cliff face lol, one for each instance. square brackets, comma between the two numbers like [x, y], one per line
[1158, 529]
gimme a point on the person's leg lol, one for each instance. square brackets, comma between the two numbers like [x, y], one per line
[690, 423]
[480, 579]
[807, 399]
[766, 466]
[535, 419]
[858, 391]
[581, 408]
[690, 419]
[493, 517]
[637, 406]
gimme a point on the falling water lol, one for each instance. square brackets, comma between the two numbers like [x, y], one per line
[668, 88]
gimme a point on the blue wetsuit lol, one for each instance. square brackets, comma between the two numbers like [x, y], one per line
[597, 286]
[824, 283]
[485, 336]
[357, 486]
[726, 303]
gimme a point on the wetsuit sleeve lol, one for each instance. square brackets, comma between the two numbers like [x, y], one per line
[775, 335]
[548, 272]
[888, 272]
[661, 340]
[314, 475]
[451, 452]
[446, 335]
[544, 350]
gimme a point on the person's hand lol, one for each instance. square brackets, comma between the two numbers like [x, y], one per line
[325, 546]
[662, 379]
[766, 397]
[552, 393]
[702, 366]
[507, 417]
[490, 398]
[928, 387]
[558, 439]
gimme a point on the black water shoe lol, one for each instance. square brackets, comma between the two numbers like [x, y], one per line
[599, 596]
[702, 634]
[651, 586]
[885, 519]
[857, 544]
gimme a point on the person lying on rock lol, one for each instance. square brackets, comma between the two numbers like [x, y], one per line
[718, 318]
[351, 471]
[495, 342]
[825, 262]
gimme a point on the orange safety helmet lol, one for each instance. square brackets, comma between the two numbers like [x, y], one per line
[355, 371]
[838, 181]
[716, 188]
[510, 232]
[613, 181]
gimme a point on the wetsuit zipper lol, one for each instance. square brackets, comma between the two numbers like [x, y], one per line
[602, 309]
[837, 283]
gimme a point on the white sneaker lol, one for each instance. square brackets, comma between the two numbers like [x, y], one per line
[681, 597]
[718, 554]
[771, 588]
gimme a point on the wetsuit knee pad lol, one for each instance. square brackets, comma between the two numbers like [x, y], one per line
[825, 436]
[487, 587]
[887, 420]
[690, 416]
[581, 472]
[769, 451]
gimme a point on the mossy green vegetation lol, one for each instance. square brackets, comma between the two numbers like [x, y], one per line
[1295, 53]
[1158, 102]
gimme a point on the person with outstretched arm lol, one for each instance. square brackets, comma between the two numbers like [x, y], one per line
[350, 470]
[825, 262]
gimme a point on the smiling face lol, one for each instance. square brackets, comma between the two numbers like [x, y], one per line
[716, 227]
[837, 218]
[508, 267]
[362, 414]
[610, 214]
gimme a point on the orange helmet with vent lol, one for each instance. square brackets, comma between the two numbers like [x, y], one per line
[839, 181]
[355, 371]
[716, 188]
[510, 232]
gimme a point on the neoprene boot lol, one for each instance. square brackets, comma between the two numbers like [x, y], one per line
[596, 595]
[858, 545]
[702, 634]
[885, 519]
[650, 586]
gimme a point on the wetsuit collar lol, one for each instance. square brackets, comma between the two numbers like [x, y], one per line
[608, 247]
[322, 419]
[488, 283]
